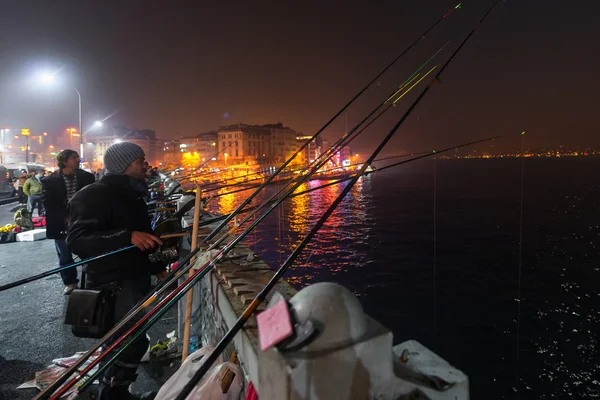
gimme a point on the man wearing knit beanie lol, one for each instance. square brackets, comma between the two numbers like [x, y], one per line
[108, 215]
[119, 157]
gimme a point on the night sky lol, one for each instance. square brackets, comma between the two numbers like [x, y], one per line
[181, 68]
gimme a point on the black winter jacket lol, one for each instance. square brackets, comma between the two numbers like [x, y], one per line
[101, 219]
[54, 196]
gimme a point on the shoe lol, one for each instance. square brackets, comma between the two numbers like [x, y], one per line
[69, 289]
[122, 393]
[144, 396]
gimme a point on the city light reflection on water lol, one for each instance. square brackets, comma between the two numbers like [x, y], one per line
[330, 252]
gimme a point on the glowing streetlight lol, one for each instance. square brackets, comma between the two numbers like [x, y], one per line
[47, 78]
[98, 124]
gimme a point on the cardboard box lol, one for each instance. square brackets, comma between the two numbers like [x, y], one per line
[30, 236]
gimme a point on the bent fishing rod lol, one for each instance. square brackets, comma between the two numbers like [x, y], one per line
[156, 317]
[335, 116]
[212, 357]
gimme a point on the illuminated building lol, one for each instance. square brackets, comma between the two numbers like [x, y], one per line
[256, 144]
[145, 138]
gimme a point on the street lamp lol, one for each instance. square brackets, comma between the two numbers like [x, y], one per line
[49, 78]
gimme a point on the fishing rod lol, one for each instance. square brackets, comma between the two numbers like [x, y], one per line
[212, 357]
[360, 92]
[190, 281]
[59, 269]
[92, 259]
[156, 317]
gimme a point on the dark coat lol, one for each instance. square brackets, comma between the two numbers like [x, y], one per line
[54, 196]
[101, 219]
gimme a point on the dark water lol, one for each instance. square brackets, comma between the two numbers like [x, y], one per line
[464, 306]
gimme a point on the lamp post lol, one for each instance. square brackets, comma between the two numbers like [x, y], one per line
[49, 78]
[80, 130]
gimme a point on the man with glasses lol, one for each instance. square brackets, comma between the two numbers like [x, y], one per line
[57, 189]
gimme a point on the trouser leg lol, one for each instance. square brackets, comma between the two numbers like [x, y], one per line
[69, 276]
[29, 205]
[119, 375]
[40, 205]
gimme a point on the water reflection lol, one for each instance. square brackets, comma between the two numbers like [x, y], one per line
[337, 247]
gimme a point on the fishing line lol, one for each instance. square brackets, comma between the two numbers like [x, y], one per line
[520, 262]
[434, 248]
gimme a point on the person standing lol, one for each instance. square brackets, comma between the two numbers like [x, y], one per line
[57, 189]
[20, 182]
[33, 189]
[108, 215]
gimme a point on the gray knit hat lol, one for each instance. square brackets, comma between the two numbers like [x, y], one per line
[120, 155]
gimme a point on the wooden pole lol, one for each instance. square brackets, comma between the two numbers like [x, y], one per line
[188, 302]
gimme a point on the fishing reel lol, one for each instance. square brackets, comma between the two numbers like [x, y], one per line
[168, 251]
[164, 256]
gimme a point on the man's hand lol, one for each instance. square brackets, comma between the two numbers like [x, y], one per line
[161, 275]
[144, 241]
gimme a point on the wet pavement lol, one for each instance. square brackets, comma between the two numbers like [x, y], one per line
[32, 332]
